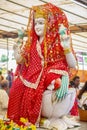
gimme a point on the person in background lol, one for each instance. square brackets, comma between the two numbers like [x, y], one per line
[12, 74]
[76, 81]
[75, 84]
[1, 77]
[4, 97]
[9, 78]
[82, 97]
[72, 84]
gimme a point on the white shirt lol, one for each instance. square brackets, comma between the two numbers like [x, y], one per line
[3, 102]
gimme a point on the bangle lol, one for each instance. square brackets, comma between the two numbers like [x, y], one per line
[66, 51]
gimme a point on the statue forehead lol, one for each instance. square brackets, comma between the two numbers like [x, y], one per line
[39, 19]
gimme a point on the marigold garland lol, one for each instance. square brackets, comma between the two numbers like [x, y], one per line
[10, 125]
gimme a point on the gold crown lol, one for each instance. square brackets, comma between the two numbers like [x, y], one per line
[39, 12]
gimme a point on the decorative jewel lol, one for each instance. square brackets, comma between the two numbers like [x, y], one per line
[66, 51]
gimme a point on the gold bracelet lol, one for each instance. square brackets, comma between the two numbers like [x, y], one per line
[66, 51]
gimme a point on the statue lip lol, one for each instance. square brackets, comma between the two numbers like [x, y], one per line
[38, 30]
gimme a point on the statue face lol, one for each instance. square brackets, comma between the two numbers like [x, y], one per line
[39, 26]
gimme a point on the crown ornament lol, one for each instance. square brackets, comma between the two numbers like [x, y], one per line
[39, 12]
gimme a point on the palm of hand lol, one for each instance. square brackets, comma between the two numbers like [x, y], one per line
[64, 37]
[65, 42]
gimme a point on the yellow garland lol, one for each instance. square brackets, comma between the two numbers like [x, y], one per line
[45, 45]
[13, 126]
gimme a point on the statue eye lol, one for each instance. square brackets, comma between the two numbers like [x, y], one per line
[41, 22]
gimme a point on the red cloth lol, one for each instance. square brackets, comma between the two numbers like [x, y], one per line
[74, 110]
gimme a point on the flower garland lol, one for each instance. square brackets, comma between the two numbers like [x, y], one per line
[10, 125]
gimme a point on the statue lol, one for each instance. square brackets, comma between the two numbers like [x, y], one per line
[40, 88]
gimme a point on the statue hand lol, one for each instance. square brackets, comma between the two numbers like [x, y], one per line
[51, 85]
[64, 37]
[65, 42]
[17, 53]
[62, 91]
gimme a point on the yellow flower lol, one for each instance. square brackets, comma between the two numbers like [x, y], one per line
[23, 120]
[33, 127]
